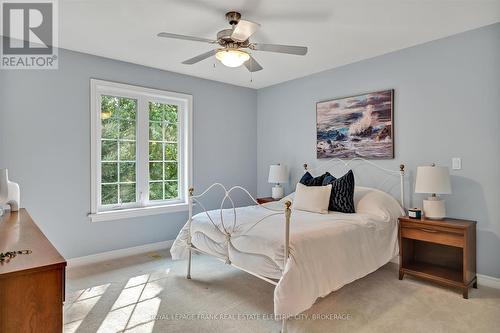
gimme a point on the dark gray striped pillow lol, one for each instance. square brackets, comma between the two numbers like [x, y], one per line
[342, 196]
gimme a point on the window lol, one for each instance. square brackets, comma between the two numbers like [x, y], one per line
[141, 150]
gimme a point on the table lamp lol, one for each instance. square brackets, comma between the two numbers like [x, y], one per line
[434, 180]
[278, 174]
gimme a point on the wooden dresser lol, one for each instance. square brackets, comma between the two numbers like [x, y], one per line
[31, 285]
[441, 251]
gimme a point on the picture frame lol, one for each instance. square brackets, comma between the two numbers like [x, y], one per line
[359, 125]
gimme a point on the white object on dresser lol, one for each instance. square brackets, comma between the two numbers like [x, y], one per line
[278, 174]
[9, 192]
[434, 180]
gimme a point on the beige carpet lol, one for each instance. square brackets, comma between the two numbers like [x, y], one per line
[149, 293]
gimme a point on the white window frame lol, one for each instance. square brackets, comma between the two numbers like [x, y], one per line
[143, 96]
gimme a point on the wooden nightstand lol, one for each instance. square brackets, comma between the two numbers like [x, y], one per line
[441, 251]
[266, 200]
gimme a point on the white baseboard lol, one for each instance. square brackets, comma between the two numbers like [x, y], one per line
[488, 281]
[120, 253]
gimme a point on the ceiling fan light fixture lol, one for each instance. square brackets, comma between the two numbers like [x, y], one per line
[232, 57]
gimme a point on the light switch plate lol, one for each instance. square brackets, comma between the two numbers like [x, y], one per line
[456, 163]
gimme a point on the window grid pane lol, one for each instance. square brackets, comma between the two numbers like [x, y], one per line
[171, 189]
[109, 194]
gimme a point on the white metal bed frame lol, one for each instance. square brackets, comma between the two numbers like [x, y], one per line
[287, 213]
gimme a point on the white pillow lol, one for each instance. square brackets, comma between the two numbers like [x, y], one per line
[373, 201]
[312, 198]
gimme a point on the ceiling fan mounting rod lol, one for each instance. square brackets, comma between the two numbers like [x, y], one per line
[233, 17]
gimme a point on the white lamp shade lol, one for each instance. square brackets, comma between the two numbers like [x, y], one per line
[278, 174]
[433, 179]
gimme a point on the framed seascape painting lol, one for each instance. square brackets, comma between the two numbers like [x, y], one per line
[356, 126]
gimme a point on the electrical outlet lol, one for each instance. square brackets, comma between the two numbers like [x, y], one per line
[456, 163]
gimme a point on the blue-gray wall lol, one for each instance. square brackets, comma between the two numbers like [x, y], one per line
[447, 97]
[447, 104]
[45, 144]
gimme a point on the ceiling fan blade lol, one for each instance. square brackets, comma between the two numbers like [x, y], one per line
[199, 58]
[243, 30]
[290, 49]
[252, 65]
[184, 37]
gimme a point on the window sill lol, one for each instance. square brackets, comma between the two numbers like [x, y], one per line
[137, 212]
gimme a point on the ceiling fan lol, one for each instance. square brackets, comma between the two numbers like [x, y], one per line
[233, 41]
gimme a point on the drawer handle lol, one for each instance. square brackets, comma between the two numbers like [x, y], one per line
[428, 230]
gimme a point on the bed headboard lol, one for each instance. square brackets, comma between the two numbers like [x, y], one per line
[367, 173]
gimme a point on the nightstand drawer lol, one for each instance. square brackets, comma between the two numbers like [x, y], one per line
[440, 235]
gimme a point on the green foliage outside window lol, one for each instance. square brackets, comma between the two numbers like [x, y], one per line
[170, 152]
[163, 149]
[127, 151]
[155, 191]
[156, 170]
[163, 112]
[171, 190]
[155, 151]
[109, 150]
[109, 172]
[118, 150]
[118, 133]
[109, 194]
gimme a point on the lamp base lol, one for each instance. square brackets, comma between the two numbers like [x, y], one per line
[434, 208]
[277, 192]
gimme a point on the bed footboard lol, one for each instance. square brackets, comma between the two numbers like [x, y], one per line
[192, 199]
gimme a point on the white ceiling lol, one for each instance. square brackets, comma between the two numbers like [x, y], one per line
[337, 32]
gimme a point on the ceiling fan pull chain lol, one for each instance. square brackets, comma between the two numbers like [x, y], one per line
[250, 68]
[254, 62]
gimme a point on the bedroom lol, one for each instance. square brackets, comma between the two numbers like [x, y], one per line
[438, 61]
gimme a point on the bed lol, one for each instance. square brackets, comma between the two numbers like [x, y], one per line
[306, 255]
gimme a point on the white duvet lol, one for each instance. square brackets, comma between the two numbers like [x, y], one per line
[327, 251]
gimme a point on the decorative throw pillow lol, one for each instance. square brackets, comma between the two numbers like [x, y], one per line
[312, 198]
[376, 202]
[342, 196]
[308, 180]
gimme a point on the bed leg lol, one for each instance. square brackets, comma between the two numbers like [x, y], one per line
[288, 213]
[188, 276]
[190, 214]
[283, 325]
